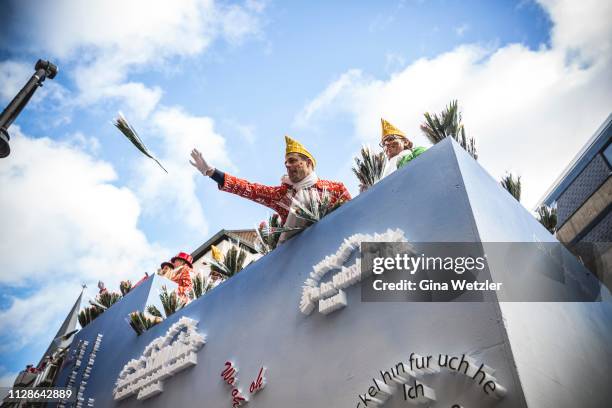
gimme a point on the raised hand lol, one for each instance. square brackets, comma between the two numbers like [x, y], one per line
[200, 164]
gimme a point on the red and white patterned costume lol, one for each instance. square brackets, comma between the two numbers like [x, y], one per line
[278, 198]
[183, 279]
[183, 263]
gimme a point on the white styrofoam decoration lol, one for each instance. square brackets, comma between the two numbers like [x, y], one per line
[162, 358]
[329, 294]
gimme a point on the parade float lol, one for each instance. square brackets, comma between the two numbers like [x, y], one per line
[296, 328]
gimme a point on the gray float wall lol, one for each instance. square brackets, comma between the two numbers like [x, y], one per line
[327, 361]
[563, 350]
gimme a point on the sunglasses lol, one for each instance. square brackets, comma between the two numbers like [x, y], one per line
[389, 140]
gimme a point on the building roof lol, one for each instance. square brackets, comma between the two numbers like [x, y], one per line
[246, 237]
[597, 142]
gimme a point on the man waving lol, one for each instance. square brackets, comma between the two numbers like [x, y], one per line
[300, 178]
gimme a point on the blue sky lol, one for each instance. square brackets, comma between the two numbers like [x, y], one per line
[231, 78]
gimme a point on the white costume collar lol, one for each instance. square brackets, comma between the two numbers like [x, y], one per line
[391, 165]
[300, 187]
[308, 181]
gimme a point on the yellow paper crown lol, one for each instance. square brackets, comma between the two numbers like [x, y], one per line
[293, 146]
[389, 129]
[216, 253]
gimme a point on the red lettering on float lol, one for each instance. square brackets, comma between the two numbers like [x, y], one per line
[229, 373]
[237, 398]
[259, 382]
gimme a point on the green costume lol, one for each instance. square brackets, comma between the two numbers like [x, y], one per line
[416, 152]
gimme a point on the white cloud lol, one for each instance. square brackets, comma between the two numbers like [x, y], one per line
[179, 132]
[44, 311]
[331, 97]
[582, 26]
[246, 132]
[110, 39]
[64, 218]
[64, 223]
[530, 111]
[80, 141]
[137, 98]
[239, 22]
[15, 74]
[7, 380]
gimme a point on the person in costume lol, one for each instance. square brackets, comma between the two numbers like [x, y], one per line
[215, 276]
[300, 177]
[398, 148]
[215, 279]
[165, 270]
[101, 287]
[183, 264]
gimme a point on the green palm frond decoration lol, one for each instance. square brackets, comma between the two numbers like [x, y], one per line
[170, 301]
[128, 131]
[106, 299]
[98, 306]
[125, 287]
[269, 233]
[200, 285]
[369, 167]
[141, 323]
[154, 311]
[547, 216]
[233, 261]
[218, 267]
[313, 206]
[89, 314]
[197, 287]
[448, 124]
[513, 185]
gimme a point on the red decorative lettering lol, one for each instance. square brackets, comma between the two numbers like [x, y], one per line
[259, 382]
[237, 398]
[229, 373]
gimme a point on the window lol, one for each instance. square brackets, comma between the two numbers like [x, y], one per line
[608, 154]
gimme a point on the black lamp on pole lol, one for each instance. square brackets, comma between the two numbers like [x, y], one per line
[44, 69]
